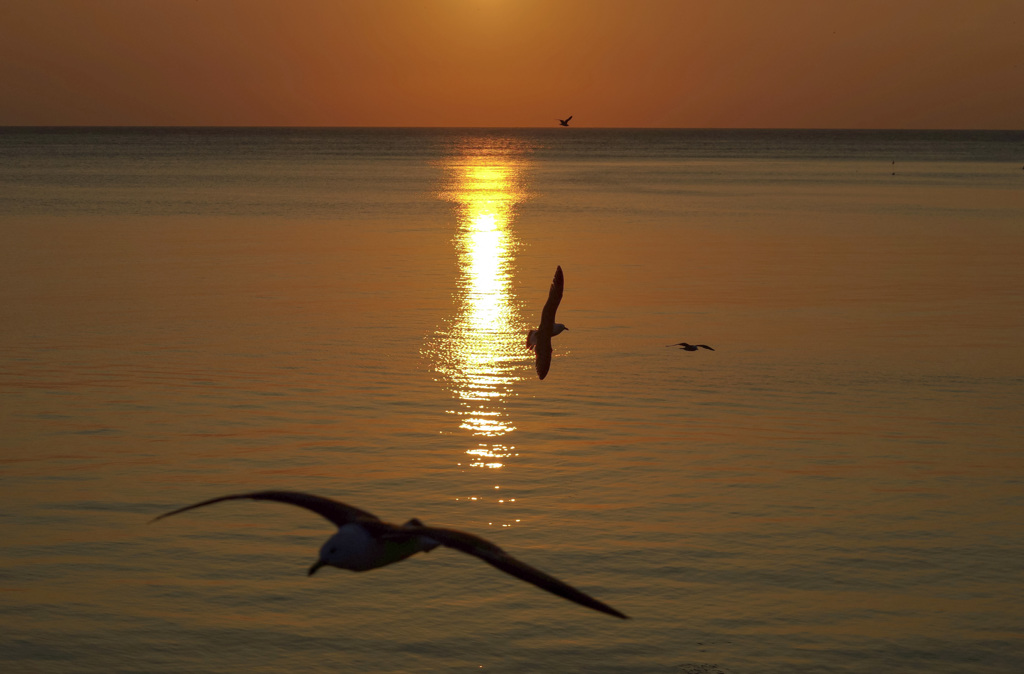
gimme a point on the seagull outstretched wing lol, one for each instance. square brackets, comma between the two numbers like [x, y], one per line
[336, 512]
[499, 559]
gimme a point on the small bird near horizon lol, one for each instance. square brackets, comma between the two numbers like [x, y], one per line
[539, 340]
[691, 347]
[364, 542]
[565, 122]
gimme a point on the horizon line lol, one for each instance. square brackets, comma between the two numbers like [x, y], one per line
[492, 128]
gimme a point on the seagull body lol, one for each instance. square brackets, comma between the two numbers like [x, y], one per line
[565, 122]
[356, 549]
[531, 336]
[691, 347]
[364, 542]
[539, 340]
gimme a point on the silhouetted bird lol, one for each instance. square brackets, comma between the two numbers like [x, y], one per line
[565, 122]
[539, 340]
[691, 347]
[364, 542]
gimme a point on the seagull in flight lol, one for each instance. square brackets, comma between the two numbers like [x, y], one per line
[364, 542]
[691, 347]
[539, 340]
[565, 122]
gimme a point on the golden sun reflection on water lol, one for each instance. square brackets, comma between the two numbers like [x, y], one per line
[478, 352]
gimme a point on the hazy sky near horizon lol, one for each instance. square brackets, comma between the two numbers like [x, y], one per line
[610, 63]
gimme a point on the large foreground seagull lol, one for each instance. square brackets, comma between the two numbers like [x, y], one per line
[364, 542]
[539, 340]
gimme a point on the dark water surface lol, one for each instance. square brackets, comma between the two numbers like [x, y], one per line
[839, 486]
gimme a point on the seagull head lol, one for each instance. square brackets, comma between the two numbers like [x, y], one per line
[558, 329]
[331, 554]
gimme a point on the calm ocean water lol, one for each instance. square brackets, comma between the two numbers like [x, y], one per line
[838, 486]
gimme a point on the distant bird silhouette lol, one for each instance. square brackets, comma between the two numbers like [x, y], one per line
[539, 340]
[691, 347]
[364, 542]
[565, 122]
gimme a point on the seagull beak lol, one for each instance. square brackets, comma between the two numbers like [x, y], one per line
[316, 565]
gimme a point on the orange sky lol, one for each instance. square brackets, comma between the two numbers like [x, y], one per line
[625, 63]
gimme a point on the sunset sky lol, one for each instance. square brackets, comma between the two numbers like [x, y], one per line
[514, 63]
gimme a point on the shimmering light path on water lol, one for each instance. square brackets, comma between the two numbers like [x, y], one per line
[479, 353]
